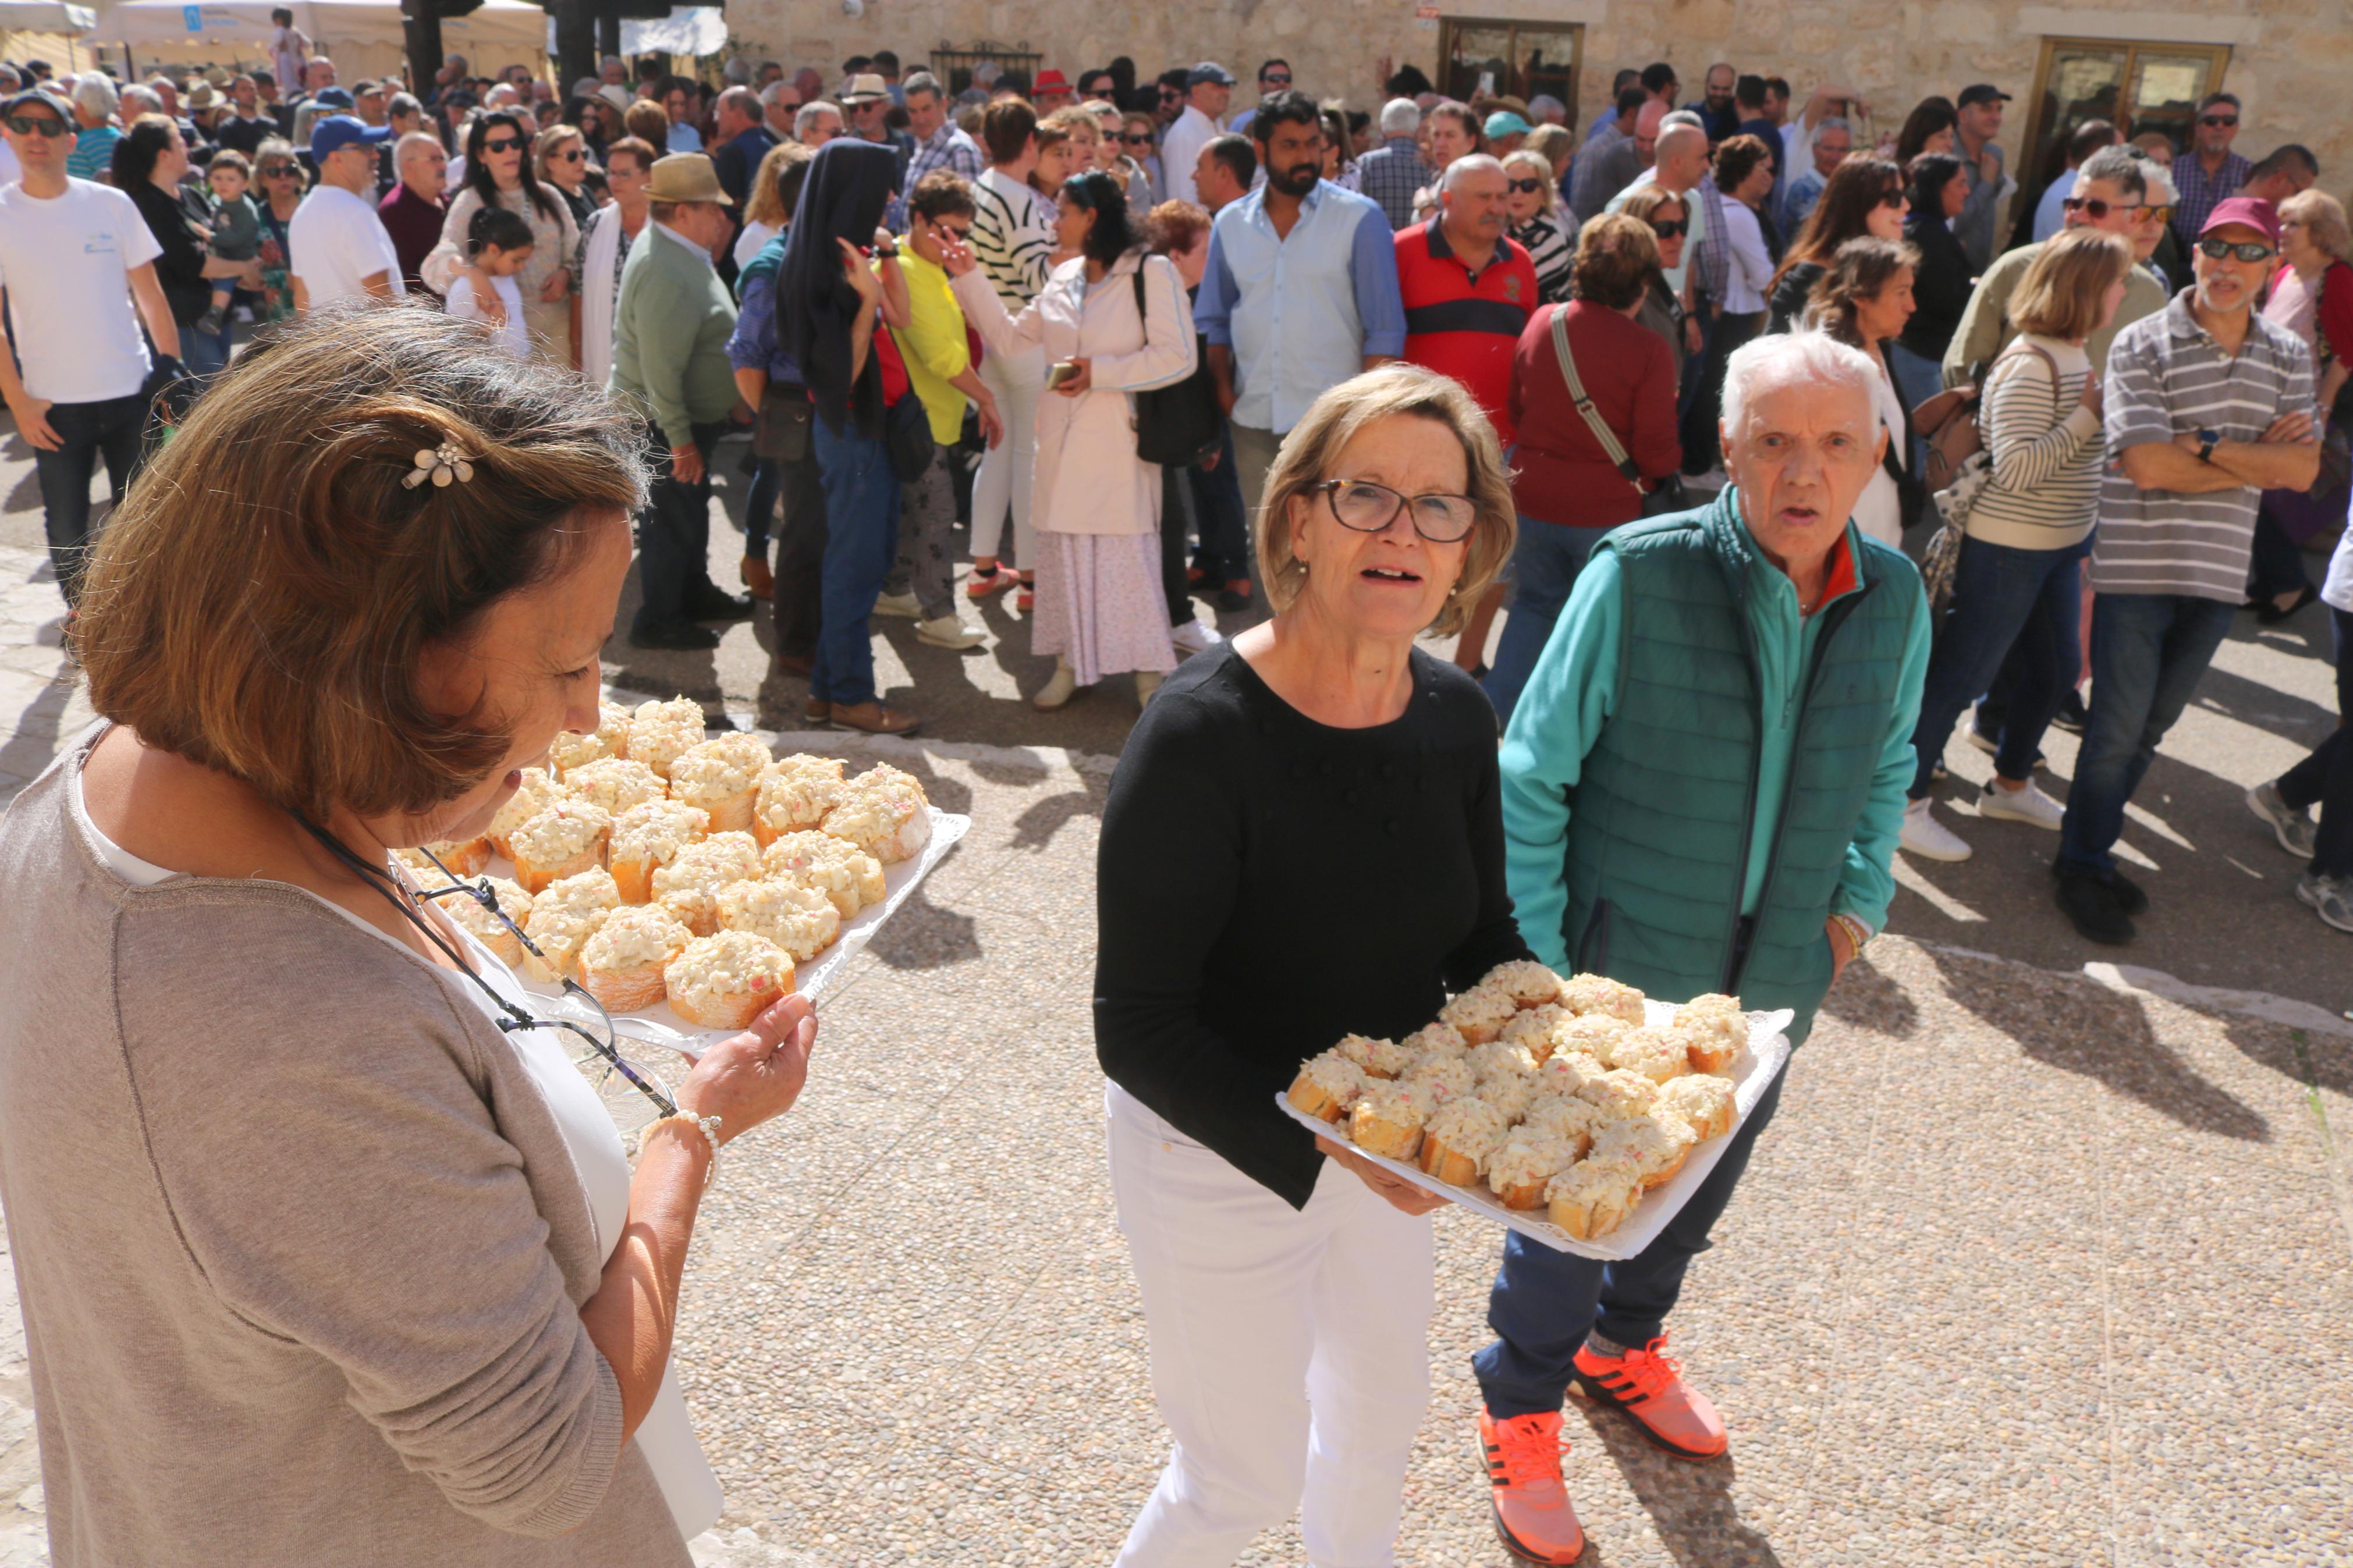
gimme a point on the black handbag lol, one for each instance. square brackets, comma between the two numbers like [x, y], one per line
[1175, 425]
[781, 435]
[907, 437]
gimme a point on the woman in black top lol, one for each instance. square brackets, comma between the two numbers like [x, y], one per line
[150, 162]
[1303, 841]
[1862, 197]
[1940, 286]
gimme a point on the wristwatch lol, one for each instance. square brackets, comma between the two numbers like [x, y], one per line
[885, 252]
[2206, 441]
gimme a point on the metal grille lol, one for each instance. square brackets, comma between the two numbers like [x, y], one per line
[953, 64]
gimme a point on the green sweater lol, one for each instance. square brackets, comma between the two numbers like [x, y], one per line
[1579, 688]
[669, 337]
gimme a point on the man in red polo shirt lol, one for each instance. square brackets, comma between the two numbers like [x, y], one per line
[1468, 288]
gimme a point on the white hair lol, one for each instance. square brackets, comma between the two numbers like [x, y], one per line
[1835, 123]
[1546, 110]
[1469, 163]
[410, 143]
[96, 94]
[2162, 192]
[1763, 364]
[1684, 117]
[137, 101]
[1400, 116]
[805, 119]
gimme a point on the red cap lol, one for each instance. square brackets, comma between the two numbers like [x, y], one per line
[2249, 211]
[1051, 81]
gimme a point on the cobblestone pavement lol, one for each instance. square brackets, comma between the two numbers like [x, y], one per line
[2046, 1259]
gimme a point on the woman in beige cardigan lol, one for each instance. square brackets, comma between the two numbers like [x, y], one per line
[499, 172]
[1097, 504]
[327, 1253]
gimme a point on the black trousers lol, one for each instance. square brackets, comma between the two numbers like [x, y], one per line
[800, 556]
[674, 537]
[2326, 778]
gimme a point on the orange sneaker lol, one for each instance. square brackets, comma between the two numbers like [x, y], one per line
[1648, 1385]
[1532, 1516]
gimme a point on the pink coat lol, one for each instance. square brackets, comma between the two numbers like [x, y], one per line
[1089, 478]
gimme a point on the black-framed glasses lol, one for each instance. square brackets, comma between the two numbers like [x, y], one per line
[1525, 187]
[2242, 250]
[575, 155]
[1894, 198]
[501, 144]
[1368, 508]
[2218, 120]
[1673, 228]
[1136, 139]
[2094, 208]
[47, 125]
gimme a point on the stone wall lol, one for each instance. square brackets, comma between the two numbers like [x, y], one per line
[2290, 58]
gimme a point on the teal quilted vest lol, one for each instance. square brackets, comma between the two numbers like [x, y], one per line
[1659, 824]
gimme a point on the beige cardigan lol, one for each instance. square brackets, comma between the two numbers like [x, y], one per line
[299, 1247]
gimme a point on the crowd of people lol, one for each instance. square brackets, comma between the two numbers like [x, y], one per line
[1784, 463]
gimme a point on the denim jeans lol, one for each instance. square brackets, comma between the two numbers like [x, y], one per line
[2148, 651]
[2275, 565]
[87, 432]
[205, 354]
[674, 537]
[1544, 565]
[760, 505]
[1218, 515]
[2326, 778]
[861, 515]
[1544, 1302]
[1702, 447]
[2022, 604]
[1917, 379]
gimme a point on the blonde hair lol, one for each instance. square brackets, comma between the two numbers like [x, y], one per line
[1338, 417]
[2323, 218]
[2059, 297]
[1541, 166]
[765, 203]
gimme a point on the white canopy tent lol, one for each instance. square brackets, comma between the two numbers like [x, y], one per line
[46, 30]
[363, 38]
[691, 30]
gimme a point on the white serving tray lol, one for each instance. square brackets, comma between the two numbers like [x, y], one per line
[659, 1026]
[1752, 1071]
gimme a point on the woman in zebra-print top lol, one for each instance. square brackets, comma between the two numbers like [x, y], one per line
[1542, 227]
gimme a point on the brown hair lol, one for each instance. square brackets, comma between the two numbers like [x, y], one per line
[2059, 295]
[646, 119]
[1643, 202]
[1335, 419]
[1005, 127]
[1861, 269]
[1615, 258]
[767, 202]
[636, 147]
[261, 600]
[1842, 212]
[1737, 159]
[1174, 225]
[941, 193]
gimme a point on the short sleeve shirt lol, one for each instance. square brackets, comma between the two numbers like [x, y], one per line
[339, 242]
[65, 263]
[2167, 377]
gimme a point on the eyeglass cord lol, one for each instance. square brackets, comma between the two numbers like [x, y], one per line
[512, 1018]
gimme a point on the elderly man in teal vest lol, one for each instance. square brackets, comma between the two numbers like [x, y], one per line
[1703, 785]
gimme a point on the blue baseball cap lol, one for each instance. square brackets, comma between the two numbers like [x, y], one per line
[337, 132]
[333, 98]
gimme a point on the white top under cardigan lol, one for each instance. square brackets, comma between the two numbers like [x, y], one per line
[1089, 478]
[666, 1437]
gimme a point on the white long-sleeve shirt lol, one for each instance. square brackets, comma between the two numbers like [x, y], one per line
[1180, 150]
[1751, 273]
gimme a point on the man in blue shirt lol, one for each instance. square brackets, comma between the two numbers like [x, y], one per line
[743, 140]
[1300, 292]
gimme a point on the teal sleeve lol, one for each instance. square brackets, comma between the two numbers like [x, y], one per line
[1867, 884]
[1560, 713]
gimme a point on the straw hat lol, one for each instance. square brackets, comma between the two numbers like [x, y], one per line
[686, 177]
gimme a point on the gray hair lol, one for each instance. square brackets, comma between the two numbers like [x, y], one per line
[1400, 116]
[401, 103]
[923, 81]
[742, 100]
[2161, 191]
[135, 100]
[1469, 163]
[1835, 123]
[1544, 108]
[2117, 166]
[1762, 364]
[1684, 117]
[811, 112]
[414, 139]
[305, 117]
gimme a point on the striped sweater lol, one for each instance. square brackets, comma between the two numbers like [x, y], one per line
[1012, 237]
[2044, 490]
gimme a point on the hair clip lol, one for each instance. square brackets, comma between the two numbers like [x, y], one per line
[440, 464]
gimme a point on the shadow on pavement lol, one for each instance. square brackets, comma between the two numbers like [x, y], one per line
[922, 935]
[2322, 1061]
[1035, 828]
[2100, 1034]
[1870, 1000]
[1690, 1504]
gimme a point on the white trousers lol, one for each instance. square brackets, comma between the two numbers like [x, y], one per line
[1290, 1350]
[1007, 468]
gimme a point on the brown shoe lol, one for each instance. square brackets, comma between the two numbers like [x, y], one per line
[874, 719]
[758, 581]
[800, 665]
[818, 713]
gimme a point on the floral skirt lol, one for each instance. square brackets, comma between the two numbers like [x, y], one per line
[1100, 603]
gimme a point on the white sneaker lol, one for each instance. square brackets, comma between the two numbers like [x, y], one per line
[900, 605]
[950, 631]
[1196, 637]
[1924, 834]
[2029, 806]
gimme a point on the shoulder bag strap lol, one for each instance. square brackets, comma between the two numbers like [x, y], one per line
[1611, 447]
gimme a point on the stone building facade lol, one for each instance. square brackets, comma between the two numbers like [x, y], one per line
[2289, 59]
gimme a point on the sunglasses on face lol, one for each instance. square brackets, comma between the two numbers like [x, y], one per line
[961, 230]
[1672, 229]
[575, 155]
[2241, 250]
[2094, 208]
[1135, 141]
[501, 144]
[1527, 187]
[278, 172]
[37, 125]
[2218, 119]
[1892, 199]
[1282, 81]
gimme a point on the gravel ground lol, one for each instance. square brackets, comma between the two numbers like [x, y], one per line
[2043, 1262]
